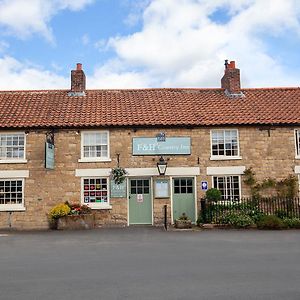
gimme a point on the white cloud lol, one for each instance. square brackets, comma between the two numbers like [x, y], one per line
[114, 75]
[16, 75]
[23, 18]
[180, 43]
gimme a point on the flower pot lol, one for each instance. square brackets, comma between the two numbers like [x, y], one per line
[73, 222]
[183, 224]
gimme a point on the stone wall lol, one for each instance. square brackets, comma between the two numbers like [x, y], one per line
[270, 156]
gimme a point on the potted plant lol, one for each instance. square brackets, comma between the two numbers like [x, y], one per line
[71, 216]
[58, 211]
[118, 175]
[183, 222]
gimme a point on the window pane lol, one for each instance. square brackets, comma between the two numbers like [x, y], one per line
[95, 190]
[224, 143]
[11, 192]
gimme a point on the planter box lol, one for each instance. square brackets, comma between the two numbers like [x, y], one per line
[183, 224]
[76, 222]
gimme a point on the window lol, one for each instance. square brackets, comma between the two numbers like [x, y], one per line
[229, 186]
[297, 139]
[183, 186]
[11, 194]
[140, 186]
[95, 192]
[224, 143]
[95, 146]
[12, 147]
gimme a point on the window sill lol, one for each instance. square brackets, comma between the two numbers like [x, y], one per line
[226, 158]
[87, 160]
[297, 157]
[11, 208]
[13, 161]
[100, 207]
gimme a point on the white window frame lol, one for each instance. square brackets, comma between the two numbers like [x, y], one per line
[225, 157]
[96, 205]
[227, 175]
[95, 159]
[14, 160]
[297, 143]
[14, 207]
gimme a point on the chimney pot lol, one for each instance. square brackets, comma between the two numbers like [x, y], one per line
[79, 67]
[232, 64]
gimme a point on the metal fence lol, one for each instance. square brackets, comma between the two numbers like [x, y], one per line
[215, 212]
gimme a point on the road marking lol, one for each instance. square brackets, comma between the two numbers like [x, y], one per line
[4, 234]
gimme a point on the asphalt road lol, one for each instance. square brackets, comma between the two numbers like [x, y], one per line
[148, 263]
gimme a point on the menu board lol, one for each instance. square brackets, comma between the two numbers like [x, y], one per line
[162, 189]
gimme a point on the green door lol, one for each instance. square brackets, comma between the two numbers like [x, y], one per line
[183, 198]
[140, 204]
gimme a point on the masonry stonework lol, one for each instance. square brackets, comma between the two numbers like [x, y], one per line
[269, 153]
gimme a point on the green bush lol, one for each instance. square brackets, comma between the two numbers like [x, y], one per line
[200, 220]
[238, 219]
[292, 222]
[255, 214]
[213, 195]
[281, 214]
[271, 222]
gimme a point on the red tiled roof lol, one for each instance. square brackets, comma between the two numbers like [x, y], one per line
[148, 107]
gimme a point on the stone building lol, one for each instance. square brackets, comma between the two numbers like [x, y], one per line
[60, 145]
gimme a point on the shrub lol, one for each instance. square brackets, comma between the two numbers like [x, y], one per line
[200, 220]
[256, 215]
[292, 222]
[59, 210]
[281, 214]
[213, 195]
[271, 222]
[238, 219]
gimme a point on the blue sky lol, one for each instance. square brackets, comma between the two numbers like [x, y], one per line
[148, 43]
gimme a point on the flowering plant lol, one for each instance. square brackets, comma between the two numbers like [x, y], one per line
[118, 174]
[66, 209]
[77, 209]
[59, 210]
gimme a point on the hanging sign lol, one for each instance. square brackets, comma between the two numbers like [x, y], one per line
[118, 190]
[170, 146]
[49, 156]
[140, 198]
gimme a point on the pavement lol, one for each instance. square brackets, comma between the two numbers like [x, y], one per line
[150, 263]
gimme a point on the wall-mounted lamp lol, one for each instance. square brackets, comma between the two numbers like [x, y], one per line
[162, 166]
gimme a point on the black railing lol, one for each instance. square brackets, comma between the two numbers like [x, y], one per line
[215, 212]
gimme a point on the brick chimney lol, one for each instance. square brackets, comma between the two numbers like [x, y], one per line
[77, 81]
[231, 80]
